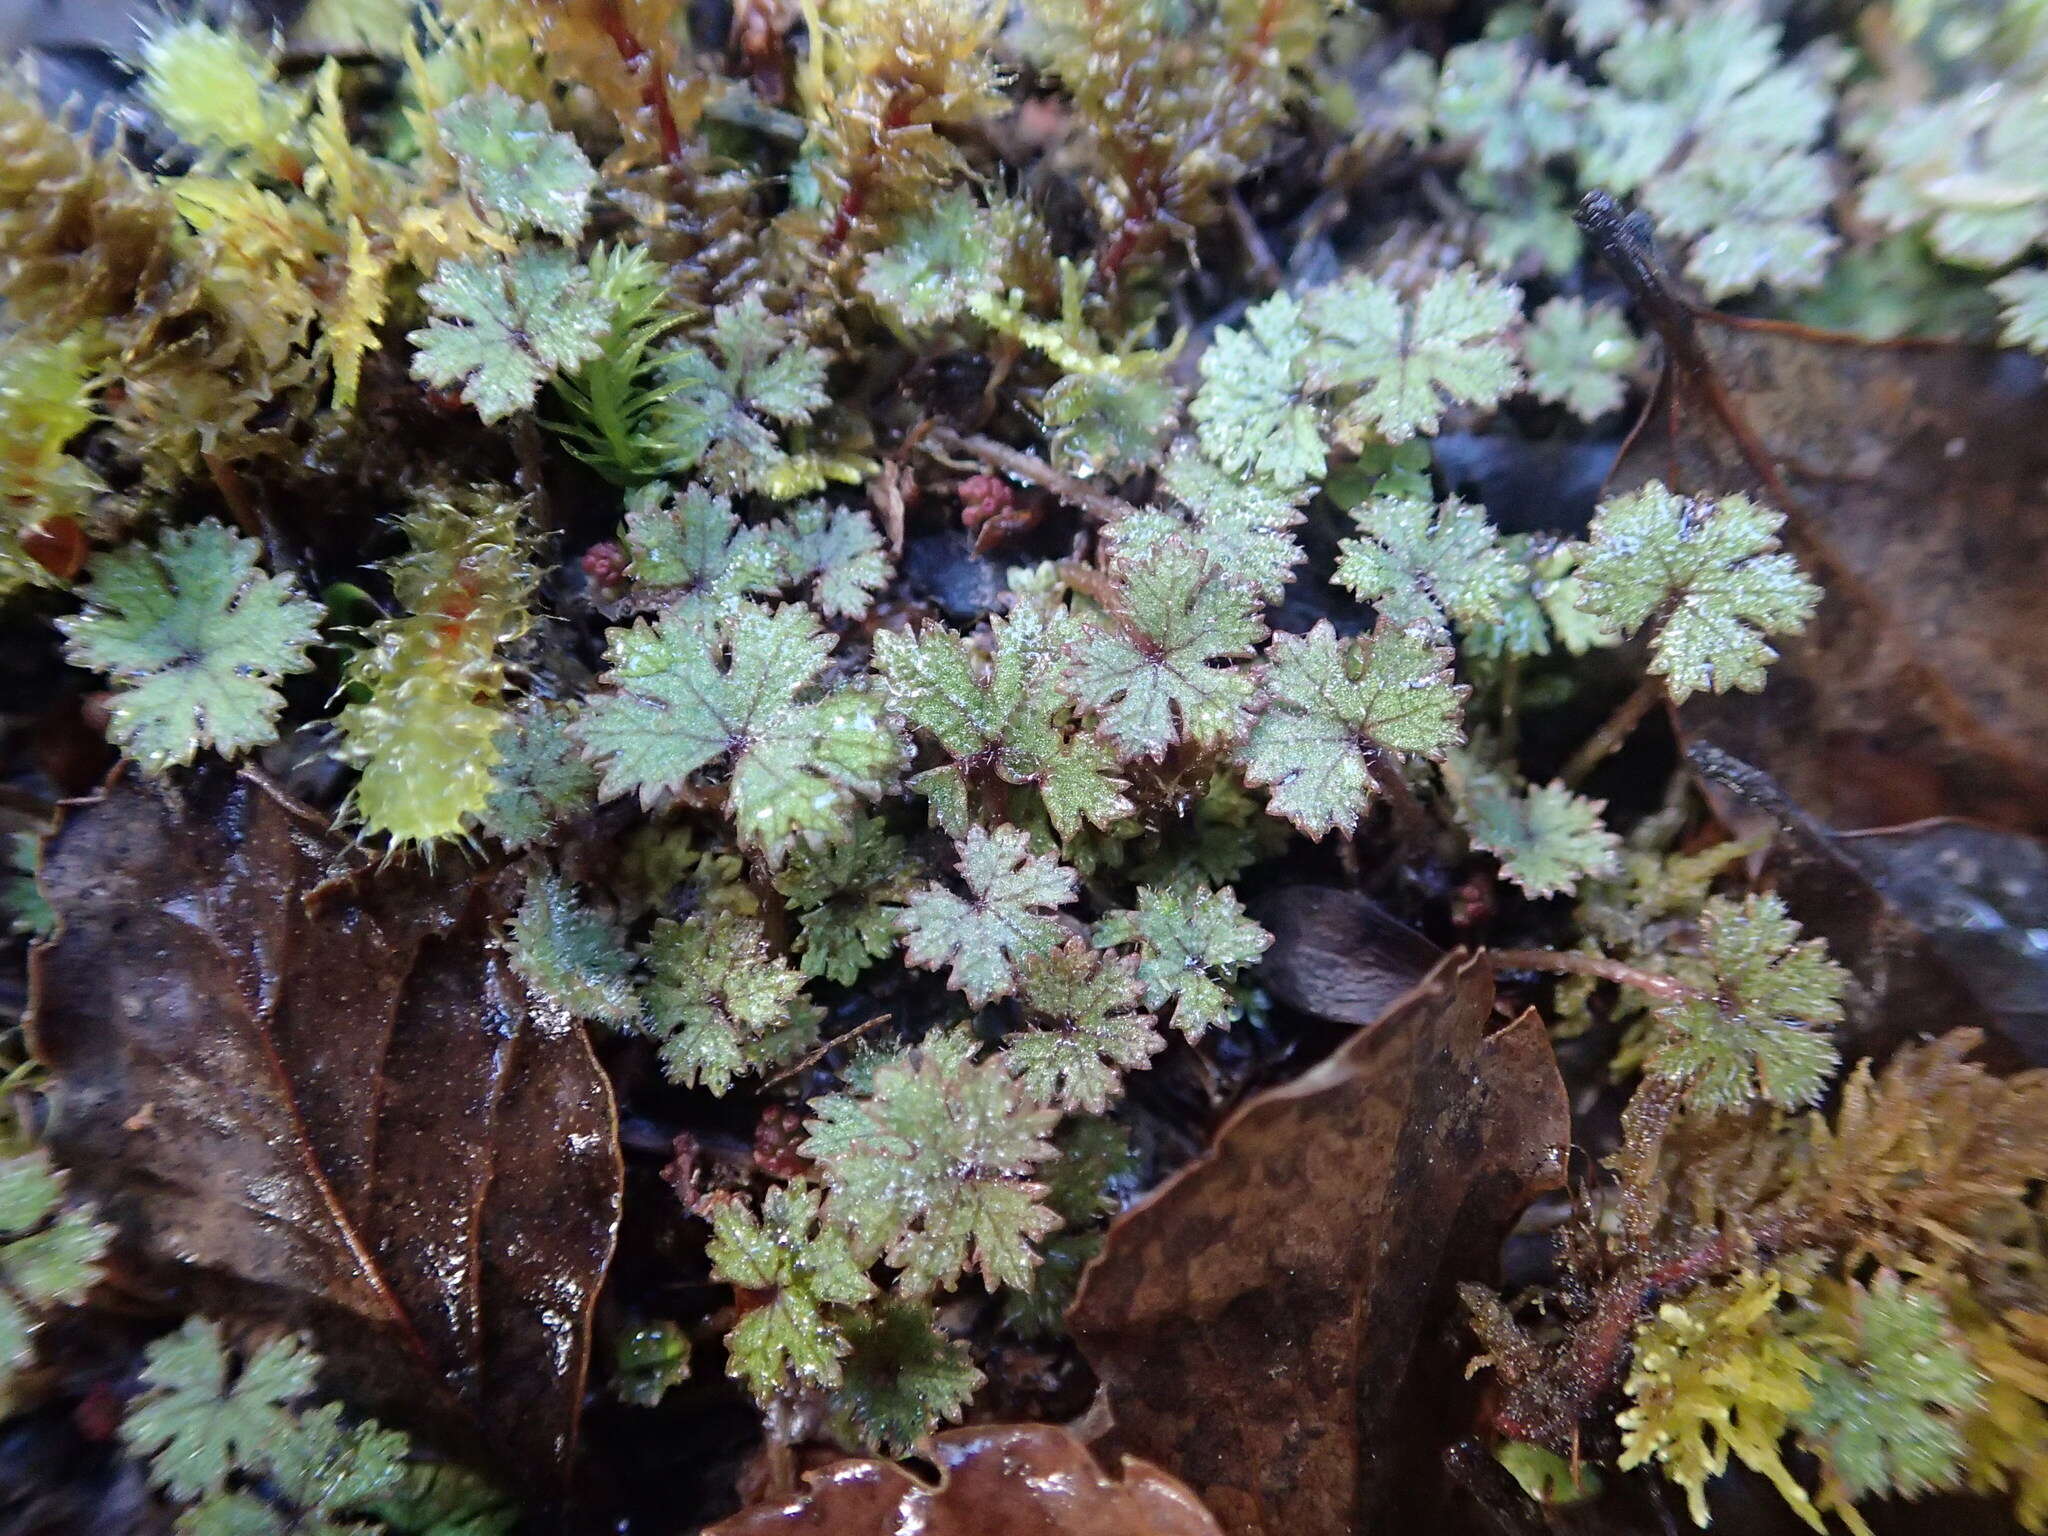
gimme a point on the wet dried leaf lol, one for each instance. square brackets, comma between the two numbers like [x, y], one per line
[1912, 479]
[1266, 1324]
[1339, 955]
[997, 1480]
[331, 1104]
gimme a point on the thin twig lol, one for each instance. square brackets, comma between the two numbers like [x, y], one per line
[1035, 471]
[1617, 729]
[826, 1048]
[1573, 962]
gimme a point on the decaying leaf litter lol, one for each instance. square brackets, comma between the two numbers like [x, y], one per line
[1285, 754]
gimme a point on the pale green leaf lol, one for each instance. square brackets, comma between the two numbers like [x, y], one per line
[503, 327]
[983, 937]
[513, 162]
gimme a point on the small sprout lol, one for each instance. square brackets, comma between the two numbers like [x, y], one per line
[572, 955]
[722, 1002]
[984, 940]
[1336, 709]
[503, 327]
[648, 1359]
[1749, 1027]
[1090, 1029]
[1579, 356]
[1191, 944]
[902, 1376]
[514, 163]
[1150, 669]
[1706, 575]
[1416, 561]
[195, 639]
[803, 1268]
[935, 1167]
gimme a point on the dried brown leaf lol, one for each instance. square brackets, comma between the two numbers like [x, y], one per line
[1267, 1323]
[330, 1101]
[997, 1480]
[1339, 955]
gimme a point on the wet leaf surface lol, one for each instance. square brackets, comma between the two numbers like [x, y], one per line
[995, 1480]
[1914, 478]
[331, 1104]
[1267, 1324]
[1339, 955]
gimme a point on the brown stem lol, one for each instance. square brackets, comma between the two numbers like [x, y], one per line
[1576, 963]
[1034, 471]
[825, 1048]
[1617, 729]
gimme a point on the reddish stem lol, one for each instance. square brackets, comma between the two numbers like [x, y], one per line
[1575, 963]
[654, 91]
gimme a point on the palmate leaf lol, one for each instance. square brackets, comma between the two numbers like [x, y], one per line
[49, 1253]
[984, 937]
[503, 327]
[195, 639]
[697, 689]
[1752, 1028]
[1088, 1027]
[934, 1166]
[514, 163]
[1887, 1407]
[1191, 943]
[848, 897]
[1544, 605]
[1706, 573]
[1579, 355]
[1241, 522]
[806, 1267]
[722, 1001]
[1252, 410]
[722, 401]
[539, 781]
[1401, 363]
[572, 955]
[196, 1425]
[835, 553]
[1003, 716]
[689, 549]
[902, 1376]
[1148, 668]
[1332, 708]
[1418, 561]
[939, 262]
[1546, 838]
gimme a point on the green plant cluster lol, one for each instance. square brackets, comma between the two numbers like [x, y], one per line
[613, 372]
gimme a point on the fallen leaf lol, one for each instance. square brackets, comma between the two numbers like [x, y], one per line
[330, 1101]
[996, 1480]
[1339, 955]
[1911, 476]
[1267, 1324]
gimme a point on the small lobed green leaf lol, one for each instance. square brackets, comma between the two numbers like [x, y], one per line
[1754, 1026]
[934, 1167]
[1333, 709]
[504, 326]
[940, 259]
[688, 549]
[1088, 1027]
[834, 553]
[572, 955]
[195, 639]
[1887, 1407]
[1151, 669]
[1401, 363]
[1191, 943]
[200, 1419]
[1579, 355]
[539, 782]
[1252, 411]
[1706, 574]
[722, 1001]
[514, 163]
[902, 1376]
[1547, 839]
[984, 936]
[806, 1268]
[1241, 522]
[1418, 561]
[848, 897]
